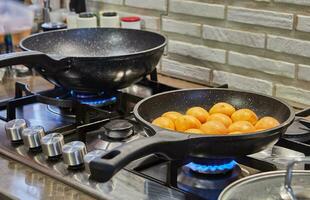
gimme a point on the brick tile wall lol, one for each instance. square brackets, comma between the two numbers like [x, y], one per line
[258, 45]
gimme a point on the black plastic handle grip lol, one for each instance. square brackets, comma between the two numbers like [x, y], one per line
[102, 169]
[48, 65]
[25, 58]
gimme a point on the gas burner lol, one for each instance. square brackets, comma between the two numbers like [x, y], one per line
[119, 129]
[212, 166]
[194, 179]
[93, 99]
[98, 100]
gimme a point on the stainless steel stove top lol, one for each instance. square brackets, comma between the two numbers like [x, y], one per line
[147, 178]
[126, 184]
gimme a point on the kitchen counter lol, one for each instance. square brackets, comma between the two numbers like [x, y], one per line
[21, 182]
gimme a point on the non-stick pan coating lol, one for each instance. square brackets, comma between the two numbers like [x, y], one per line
[219, 145]
[181, 101]
[93, 42]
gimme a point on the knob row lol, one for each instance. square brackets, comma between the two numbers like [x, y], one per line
[53, 146]
[73, 152]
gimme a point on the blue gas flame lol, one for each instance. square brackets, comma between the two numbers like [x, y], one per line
[212, 167]
[99, 101]
[93, 99]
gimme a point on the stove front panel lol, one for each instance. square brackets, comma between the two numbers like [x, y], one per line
[124, 185]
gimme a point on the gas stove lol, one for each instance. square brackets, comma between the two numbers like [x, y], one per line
[78, 127]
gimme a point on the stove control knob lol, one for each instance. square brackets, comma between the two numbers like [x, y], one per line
[52, 144]
[73, 153]
[32, 136]
[91, 156]
[14, 129]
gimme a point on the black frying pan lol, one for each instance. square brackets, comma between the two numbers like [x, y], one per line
[90, 60]
[194, 147]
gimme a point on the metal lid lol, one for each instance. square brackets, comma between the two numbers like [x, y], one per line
[87, 15]
[109, 14]
[131, 19]
[50, 26]
[274, 185]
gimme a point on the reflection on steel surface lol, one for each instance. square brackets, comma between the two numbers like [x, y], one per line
[124, 185]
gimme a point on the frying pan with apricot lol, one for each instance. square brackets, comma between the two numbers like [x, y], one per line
[217, 123]
[222, 118]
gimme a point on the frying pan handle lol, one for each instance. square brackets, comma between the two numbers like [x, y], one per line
[28, 58]
[102, 169]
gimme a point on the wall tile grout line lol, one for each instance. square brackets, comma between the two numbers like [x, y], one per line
[260, 45]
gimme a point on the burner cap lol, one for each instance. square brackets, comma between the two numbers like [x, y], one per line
[119, 129]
